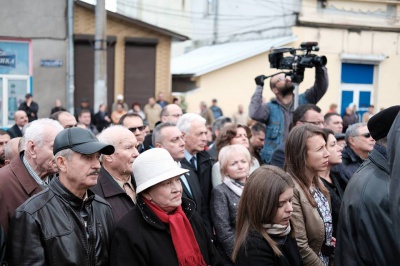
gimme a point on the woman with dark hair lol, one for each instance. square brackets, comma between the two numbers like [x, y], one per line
[305, 157]
[264, 235]
[232, 134]
[332, 177]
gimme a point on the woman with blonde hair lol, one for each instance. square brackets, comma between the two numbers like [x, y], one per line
[264, 235]
[232, 134]
[235, 164]
[305, 157]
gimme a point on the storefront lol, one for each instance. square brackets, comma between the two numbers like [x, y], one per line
[15, 77]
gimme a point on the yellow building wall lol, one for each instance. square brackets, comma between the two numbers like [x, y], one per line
[334, 42]
[85, 24]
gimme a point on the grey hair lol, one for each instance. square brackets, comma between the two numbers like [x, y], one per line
[36, 131]
[67, 154]
[185, 121]
[156, 137]
[219, 123]
[352, 131]
[226, 151]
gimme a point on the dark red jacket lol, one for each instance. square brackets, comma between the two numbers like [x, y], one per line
[16, 186]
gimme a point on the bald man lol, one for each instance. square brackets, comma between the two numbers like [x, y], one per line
[65, 118]
[277, 114]
[11, 150]
[21, 119]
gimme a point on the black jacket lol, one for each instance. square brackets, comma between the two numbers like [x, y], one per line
[31, 111]
[336, 191]
[351, 162]
[203, 176]
[141, 238]
[14, 131]
[365, 233]
[49, 229]
[257, 251]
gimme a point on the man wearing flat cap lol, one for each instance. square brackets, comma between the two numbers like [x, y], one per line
[66, 224]
[365, 231]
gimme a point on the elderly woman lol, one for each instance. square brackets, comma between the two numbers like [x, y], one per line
[306, 156]
[235, 165]
[232, 134]
[163, 228]
[264, 235]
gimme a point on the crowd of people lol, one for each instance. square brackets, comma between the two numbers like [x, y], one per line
[165, 187]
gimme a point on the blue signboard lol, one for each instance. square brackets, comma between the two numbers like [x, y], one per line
[14, 58]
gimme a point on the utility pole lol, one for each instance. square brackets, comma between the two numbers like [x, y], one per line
[216, 14]
[71, 70]
[100, 56]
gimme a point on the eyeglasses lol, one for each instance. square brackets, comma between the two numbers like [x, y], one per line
[366, 135]
[317, 123]
[133, 129]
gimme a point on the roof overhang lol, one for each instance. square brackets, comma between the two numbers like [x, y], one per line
[210, 58]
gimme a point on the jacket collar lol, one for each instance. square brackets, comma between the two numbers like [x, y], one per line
[349, 153]
[21, 173]
[188, 207]
[109, 185]
[63, 192]
[379, 160]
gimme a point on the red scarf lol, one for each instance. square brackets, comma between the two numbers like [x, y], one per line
[185, 244]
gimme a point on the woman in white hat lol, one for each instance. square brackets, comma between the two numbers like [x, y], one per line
[163, 228]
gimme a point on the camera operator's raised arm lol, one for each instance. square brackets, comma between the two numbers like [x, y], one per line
[317, 91]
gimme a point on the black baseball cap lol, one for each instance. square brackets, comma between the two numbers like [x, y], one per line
[81, 141]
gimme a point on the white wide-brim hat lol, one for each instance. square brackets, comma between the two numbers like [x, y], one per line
[154, 166]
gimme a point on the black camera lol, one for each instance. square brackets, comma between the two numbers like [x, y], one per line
[297, 63]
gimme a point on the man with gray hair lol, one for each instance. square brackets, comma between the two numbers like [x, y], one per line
[359, 144]
[116, 183]
[197, 160]
[67, 223]
[29, 173]
[168, 136]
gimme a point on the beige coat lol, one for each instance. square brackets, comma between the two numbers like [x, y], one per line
[309, 227]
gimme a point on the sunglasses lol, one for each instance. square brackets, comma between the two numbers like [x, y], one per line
[133, 129]
[366, 135]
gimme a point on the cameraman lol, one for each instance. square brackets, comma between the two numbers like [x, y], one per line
[277, 114]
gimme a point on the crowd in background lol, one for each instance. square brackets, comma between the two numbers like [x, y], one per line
[159, 186]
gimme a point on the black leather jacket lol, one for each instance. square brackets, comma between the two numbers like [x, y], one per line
[365, 234]
[50, 229]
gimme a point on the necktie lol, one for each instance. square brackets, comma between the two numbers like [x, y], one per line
[193, 163]
[131, 193]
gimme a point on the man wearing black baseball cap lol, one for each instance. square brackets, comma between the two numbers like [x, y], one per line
[365, 231]
[66, 223]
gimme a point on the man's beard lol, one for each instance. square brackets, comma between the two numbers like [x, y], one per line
[288, 89]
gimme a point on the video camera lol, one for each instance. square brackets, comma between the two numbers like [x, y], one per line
[297, 63]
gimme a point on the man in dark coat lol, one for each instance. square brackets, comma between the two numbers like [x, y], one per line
[21, 119]
[197, 160]
[67, 223]
[394, 168]
[168, 136]
[30, 172]
[116, 183]
[365, 234]
[30, 107]
[359, 144]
